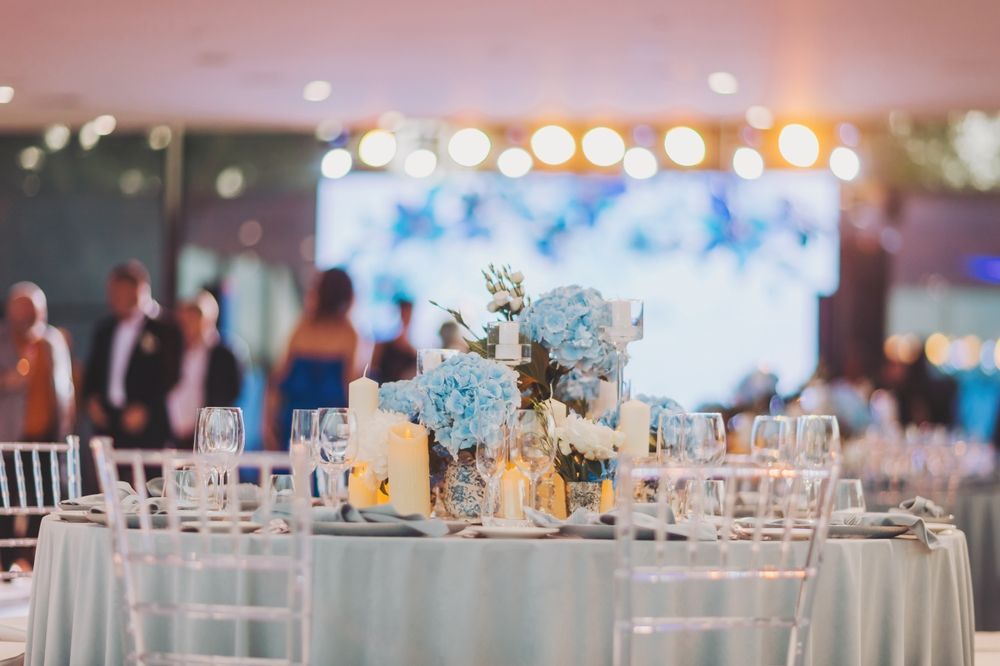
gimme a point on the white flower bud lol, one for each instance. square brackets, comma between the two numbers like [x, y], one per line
[516, 304]
[502, 297]
[492, 306]
[517, 277]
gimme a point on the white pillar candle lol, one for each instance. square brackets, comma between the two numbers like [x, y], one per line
[634, 423]
[409, 469]
[362, 490]
[509, 333]
[607, 398]
[362, 397]
[512, 489]
[558, 411]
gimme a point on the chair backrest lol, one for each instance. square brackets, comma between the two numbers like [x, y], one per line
[34, 478]
[740, 572]
[201, 582]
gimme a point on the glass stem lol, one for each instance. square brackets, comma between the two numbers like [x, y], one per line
[532, 491]
[619, 377]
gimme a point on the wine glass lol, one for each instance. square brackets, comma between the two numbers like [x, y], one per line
[532, 446]
[772, 439]
[670, 438]
[703, 440]
[335, 446]
[491, 461]
[850, 496]
[817, 446]
[305, 425]
[220, 432]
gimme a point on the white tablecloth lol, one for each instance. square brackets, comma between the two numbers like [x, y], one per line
[505, 602]
[977, 512]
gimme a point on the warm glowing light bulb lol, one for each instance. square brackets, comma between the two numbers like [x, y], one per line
[514, 162]
[640, 163]
[336, 164]
[603, 146]
[553, 144]
[747, 163]
[936, 348]
[723, 83]
[684, 146]
[469, 146]
[56, 137]
[31, 158]
[760, 117]
[844, 163]
[798, 145]
[377, 148]
[105, 125]
[88, 136]
[317, 91]
[420, 163]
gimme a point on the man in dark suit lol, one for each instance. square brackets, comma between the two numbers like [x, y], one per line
[134, 362]
[210, 373]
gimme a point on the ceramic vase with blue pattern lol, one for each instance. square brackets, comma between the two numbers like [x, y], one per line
[586, 494]
[462, 489]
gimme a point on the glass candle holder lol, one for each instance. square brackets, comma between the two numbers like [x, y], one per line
[428, 359]
[505, 343]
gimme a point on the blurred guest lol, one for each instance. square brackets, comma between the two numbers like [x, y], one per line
[36, 374]
[134, 363]
[923, 395]
[323, 354]
[36, 397]
[396, 359]
[451, 337]
[210, 375]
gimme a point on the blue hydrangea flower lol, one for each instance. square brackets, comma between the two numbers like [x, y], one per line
[568, 321]
[403, 397]
[467, 399]
[577, 386]
[658, 407]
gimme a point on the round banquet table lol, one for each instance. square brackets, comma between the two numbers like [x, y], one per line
[508, 602]
[977, 512]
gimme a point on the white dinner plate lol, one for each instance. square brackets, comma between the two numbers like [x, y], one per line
[512, 532]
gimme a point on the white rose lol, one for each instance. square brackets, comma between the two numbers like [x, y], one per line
[502, 297]
[592, 440]
[492, 306]
[516, 304]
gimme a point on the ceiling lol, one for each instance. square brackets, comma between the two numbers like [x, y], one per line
[227, 63]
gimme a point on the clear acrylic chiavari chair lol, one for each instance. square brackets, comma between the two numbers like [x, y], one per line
[34, 478]
[729, 600]
[202, 584]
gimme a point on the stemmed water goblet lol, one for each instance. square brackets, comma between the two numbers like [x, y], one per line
[817, 446]
[532, 446]
[335, 446]
[491, 461]
[220, 433]
[772, 439]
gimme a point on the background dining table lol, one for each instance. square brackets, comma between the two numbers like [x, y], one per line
[458, 600]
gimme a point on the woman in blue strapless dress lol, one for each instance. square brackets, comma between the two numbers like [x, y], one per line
[322, 357]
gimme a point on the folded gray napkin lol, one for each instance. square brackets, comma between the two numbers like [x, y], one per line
[248, 493]
[87, 501]
[915, 524]
[644, 518]
[346, 513]
[920, 507]
[131, 505]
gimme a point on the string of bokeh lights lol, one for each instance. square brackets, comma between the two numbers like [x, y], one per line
[639, 152]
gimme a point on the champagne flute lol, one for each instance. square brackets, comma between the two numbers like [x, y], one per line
[335, 446]
[305, 426]
[532, 446]
[772, 439]
[491, 461]
[220, 432]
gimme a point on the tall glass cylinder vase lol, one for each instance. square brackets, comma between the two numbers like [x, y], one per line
[624, 325]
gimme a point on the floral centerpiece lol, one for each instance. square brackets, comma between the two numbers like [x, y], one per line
[566, 329]
[585, 457]
[465, 400]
